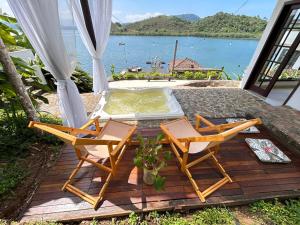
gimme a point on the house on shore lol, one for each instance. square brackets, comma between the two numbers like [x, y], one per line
[187, 64]
[182, 65]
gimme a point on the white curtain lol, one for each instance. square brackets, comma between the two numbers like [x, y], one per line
[101, 13]
[39, 19]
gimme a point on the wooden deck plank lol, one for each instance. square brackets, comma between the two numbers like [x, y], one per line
[253, 180]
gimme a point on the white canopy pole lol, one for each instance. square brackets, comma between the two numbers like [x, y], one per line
[101, 13]
[39, 19]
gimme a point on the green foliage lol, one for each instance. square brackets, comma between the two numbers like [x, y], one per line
[151, 156]
[290, 74]
[218, 25]
[229, 23]
[16, 138]
[82, 80]
[173, 219]
[133, 219]
[44, 222]
[188, 75]
[15, 39]
[275, 212]
[239, 77]
[11, 34]
[112, 69]
[214, 216]
[10, 176]
[200, 76]
[209, 216]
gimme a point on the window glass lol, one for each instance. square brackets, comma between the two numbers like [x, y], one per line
[291, 70]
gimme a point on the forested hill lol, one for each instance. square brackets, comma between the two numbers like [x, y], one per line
[218, 25]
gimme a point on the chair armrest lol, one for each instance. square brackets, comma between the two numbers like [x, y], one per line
[123, 141]
[92, 121]
[200, 119]
[226, 126]
[89, 141]
[206, 138]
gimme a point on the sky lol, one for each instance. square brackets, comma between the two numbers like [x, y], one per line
[126, 11]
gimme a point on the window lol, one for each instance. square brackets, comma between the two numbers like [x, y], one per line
[280, 58]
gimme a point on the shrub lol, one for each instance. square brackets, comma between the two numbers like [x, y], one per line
[129, 76]
[200, 76]
[188, 75]
[82, 80]
[287, 213]
[117, 76]
[16, 137]
[214, 216]
[10, 176]
[214, 75]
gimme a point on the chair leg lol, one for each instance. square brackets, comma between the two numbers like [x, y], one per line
[102, 191]
[195, 186]
[220, 167]
[73, 174]
[202, 194]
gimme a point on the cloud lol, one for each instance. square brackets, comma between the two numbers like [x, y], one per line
[137, 17]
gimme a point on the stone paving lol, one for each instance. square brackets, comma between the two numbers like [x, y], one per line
[217, 102]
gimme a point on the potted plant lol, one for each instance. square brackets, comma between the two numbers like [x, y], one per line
[151, 158]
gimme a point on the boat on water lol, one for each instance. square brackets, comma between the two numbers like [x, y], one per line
[135, 69]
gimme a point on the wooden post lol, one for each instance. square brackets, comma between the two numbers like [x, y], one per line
[174, 58]
[88, 20]
[16, 81]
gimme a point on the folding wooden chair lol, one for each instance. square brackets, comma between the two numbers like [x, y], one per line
[184, 137]
[110, 142]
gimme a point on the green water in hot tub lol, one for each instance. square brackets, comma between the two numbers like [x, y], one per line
[142, 101]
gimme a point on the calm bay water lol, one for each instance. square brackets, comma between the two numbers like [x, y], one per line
[233, 54]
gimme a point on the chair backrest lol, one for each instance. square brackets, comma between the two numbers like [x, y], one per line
[105, 136]
[181, 130]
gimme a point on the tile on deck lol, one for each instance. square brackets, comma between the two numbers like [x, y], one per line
[253, 180]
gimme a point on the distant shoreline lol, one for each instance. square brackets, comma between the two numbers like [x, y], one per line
[236, 36]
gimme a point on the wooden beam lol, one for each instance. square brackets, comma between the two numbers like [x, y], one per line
[292, 93]
[174, 58]
[88, 20]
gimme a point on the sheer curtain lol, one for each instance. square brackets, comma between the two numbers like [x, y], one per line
[101, 13]
[39, 20]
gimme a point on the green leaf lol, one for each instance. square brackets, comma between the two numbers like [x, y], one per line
[138, 161]
[159, 183]
[8, 19]
[167, 155]
[159, 137]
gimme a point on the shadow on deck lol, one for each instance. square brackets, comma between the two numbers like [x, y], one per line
[253, 180]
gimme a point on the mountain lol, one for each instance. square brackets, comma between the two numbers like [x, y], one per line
[228, 23]
[218, 25]
[188, 17]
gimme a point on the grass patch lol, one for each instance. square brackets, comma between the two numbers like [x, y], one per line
[276, 212]
[10, 176]
[17, 141]
[207, 216]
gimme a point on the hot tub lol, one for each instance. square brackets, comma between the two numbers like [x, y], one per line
[138, 104]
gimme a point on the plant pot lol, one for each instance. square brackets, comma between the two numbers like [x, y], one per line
[148, 176]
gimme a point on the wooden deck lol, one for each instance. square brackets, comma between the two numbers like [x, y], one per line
[253, 180]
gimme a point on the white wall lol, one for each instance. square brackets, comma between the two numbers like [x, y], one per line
[294, 101]
[262, 40]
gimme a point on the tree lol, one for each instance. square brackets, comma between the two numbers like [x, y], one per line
[16, 81]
